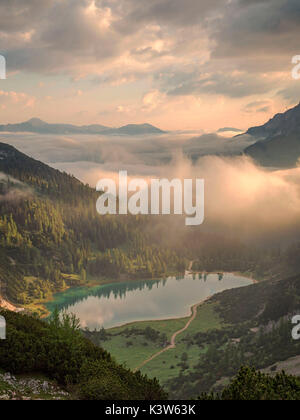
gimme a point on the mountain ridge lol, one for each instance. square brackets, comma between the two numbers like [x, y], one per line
[36, 125]
[281, 124]
[278, 140]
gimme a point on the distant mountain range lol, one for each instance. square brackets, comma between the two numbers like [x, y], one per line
[278, 141]
[36, 125]
[274, 144]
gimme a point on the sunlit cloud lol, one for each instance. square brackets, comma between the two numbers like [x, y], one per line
[147, 53]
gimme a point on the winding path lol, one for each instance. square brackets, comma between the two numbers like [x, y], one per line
[172, 344]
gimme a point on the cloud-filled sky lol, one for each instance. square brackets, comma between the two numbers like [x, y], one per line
[178, 64]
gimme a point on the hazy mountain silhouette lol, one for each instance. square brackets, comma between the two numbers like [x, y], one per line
[35, 125]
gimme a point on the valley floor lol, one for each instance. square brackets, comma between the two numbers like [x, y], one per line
[134, 344]
[172, 344]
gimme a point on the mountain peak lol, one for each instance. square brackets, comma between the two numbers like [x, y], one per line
[36, 122]
[278, 141]
[281, 124]
[139, 129]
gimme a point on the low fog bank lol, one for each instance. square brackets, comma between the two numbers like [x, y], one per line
[153, 151]
[13, 190]
[241, 198]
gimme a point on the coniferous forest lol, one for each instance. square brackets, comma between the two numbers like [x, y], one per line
[51, 235]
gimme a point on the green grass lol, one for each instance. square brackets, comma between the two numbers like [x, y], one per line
[167, 327]
[206, 319]
[165, 366]
[131, 356]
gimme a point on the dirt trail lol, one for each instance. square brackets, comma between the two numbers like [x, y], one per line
[6, 305]
[190, 266]
[172, 344]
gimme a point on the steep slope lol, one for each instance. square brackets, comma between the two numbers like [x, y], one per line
[278, 142]
[280, 125]
[51, 235]
[60, 352]
[256, 331]
[277, 152]
[41, 177]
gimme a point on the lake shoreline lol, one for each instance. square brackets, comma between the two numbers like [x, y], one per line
[40, 305]
[183, 300]
[202, 302]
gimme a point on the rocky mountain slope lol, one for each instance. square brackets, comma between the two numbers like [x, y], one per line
[278, 141]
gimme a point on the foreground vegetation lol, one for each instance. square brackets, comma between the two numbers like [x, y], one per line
[250, 384]
[30, 387]
[54, 361]
[59, 351]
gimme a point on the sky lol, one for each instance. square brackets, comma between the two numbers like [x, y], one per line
[176, 64]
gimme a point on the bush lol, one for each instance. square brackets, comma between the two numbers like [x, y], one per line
[250, 384]
[60, 351]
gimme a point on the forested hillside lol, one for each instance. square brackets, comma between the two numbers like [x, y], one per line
[256, 331]
[51, 235]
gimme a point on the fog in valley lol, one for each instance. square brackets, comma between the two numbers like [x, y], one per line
[241, 198]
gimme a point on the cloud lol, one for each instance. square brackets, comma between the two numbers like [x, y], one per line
[235, 85]
[162, 49]
[238, 193]
[65, 35]
[16, 190]
[16, 98]
[258, 106]
[167, 12]
[290, 93]
[84, 155]
[19, 15]
[242, 198]
[152, 100]
[263, 31]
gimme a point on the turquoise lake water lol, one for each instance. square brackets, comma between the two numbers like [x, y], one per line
[117, 304]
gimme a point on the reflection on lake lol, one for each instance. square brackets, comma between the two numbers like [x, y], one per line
[120, 303]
